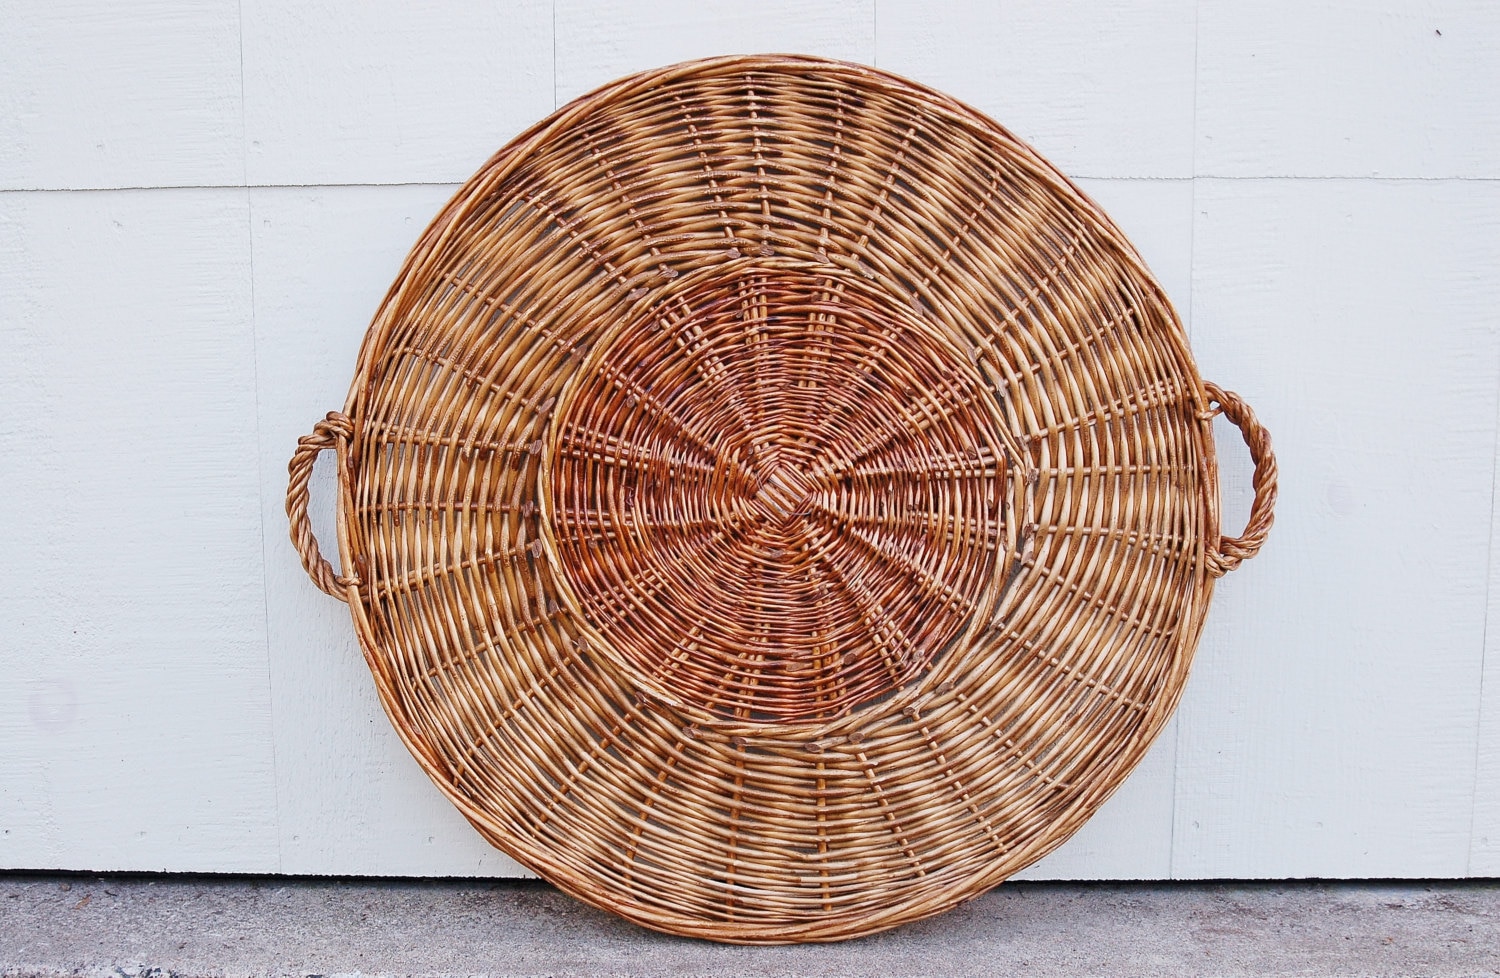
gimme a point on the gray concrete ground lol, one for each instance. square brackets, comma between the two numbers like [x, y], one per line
[143, 927]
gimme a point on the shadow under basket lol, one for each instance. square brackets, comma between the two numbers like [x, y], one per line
[774, 503]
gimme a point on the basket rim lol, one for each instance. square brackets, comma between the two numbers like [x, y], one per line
[417, 268]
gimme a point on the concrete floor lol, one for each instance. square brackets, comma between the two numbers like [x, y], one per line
[145, 927]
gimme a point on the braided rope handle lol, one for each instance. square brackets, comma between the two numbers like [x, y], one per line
[1232, 551]
[335, 432]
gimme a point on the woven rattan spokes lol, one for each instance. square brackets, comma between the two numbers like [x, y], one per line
[776, 498]
[774, 503]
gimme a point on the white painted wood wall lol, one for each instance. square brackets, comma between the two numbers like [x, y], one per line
[202, 202]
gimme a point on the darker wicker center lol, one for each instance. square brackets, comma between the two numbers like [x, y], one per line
[777, 498]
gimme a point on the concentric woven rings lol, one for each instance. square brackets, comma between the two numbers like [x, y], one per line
[751, 444]
[775, 504]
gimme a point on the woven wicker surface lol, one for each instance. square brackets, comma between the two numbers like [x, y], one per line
[775, 504]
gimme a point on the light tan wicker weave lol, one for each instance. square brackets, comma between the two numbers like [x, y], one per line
[775, 504]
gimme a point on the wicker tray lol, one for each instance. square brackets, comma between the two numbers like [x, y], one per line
[774, 503]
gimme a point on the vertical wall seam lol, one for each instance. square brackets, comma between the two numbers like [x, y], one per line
[1484, 632]
[1177, 724]
[260, 448]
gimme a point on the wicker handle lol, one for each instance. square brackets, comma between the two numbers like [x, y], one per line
[1232, 551]
[332, 432]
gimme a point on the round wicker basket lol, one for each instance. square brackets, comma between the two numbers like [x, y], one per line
[774, 503]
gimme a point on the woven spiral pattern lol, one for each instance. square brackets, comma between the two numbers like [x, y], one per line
[777, 505]
[775, 498]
